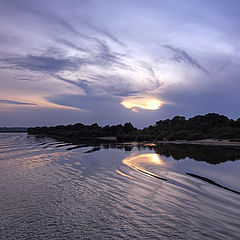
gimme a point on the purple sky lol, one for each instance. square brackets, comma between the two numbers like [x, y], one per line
[111, 62]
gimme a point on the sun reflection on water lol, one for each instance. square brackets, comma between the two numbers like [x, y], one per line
[138, 162]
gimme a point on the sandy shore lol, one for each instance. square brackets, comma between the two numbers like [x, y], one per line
[107, 138]
[213, 142]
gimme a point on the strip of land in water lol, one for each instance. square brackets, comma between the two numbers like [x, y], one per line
[209, 129]
[209, 142]
[12, 130]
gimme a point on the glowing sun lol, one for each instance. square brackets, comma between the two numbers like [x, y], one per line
[147, 103]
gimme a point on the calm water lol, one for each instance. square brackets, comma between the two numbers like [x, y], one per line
[51, 190]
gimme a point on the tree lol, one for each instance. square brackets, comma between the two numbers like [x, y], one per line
[128, 127]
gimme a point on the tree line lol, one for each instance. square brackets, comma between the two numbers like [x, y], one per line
[211, 125]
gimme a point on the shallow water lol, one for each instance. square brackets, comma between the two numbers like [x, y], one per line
[53, 190]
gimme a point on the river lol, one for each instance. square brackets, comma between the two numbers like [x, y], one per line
[54, 190]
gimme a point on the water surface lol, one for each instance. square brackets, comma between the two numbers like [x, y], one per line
[53, 190]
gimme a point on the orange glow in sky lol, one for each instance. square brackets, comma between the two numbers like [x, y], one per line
[142, 103]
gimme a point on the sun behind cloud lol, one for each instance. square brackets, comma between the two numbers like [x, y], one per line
[148, 103]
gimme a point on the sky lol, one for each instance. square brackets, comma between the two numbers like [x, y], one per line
[111, 62]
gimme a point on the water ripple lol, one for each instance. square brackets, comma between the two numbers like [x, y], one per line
[55, 193]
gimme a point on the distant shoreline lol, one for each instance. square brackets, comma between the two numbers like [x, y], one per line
[13, 130]
[201, 129]
[208, 142]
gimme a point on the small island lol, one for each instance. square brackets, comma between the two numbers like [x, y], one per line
[12, 129]
[210, 129]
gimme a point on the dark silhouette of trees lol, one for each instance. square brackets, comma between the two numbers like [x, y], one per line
[211, 125]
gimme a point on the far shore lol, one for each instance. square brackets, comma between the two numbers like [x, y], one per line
[13, 130]
[213, 142]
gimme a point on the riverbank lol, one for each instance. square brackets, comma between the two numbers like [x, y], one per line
[209, 142]
[206, 142]
[13, 130]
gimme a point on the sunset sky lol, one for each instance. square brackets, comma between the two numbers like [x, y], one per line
[110, 62]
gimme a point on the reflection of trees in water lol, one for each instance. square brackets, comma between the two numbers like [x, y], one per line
[210, 154]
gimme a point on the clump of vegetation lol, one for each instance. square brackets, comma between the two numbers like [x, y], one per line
[78, 132]
[211, 125]
[234, 140]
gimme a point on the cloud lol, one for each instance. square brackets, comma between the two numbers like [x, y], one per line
[101, 85]
[187, 100]
[71, 45]
[183, 56]
[42, 13]
[26, 79]
[114, 85]
[53, 59]
[113, 38]
[4, 101]
[98, 73]
[155, 82]
[77, 47]
[105, 33]
[106, 57]
[104, 109]
[81, 83]
[84, 102]
[42, 63]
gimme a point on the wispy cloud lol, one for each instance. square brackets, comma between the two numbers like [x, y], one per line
[80, 83]
[4, 101]
[41, 63]
[183, 56]
[77, 47]
[102, 86]
[53, 59]
[106, 33]
[71, 45]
